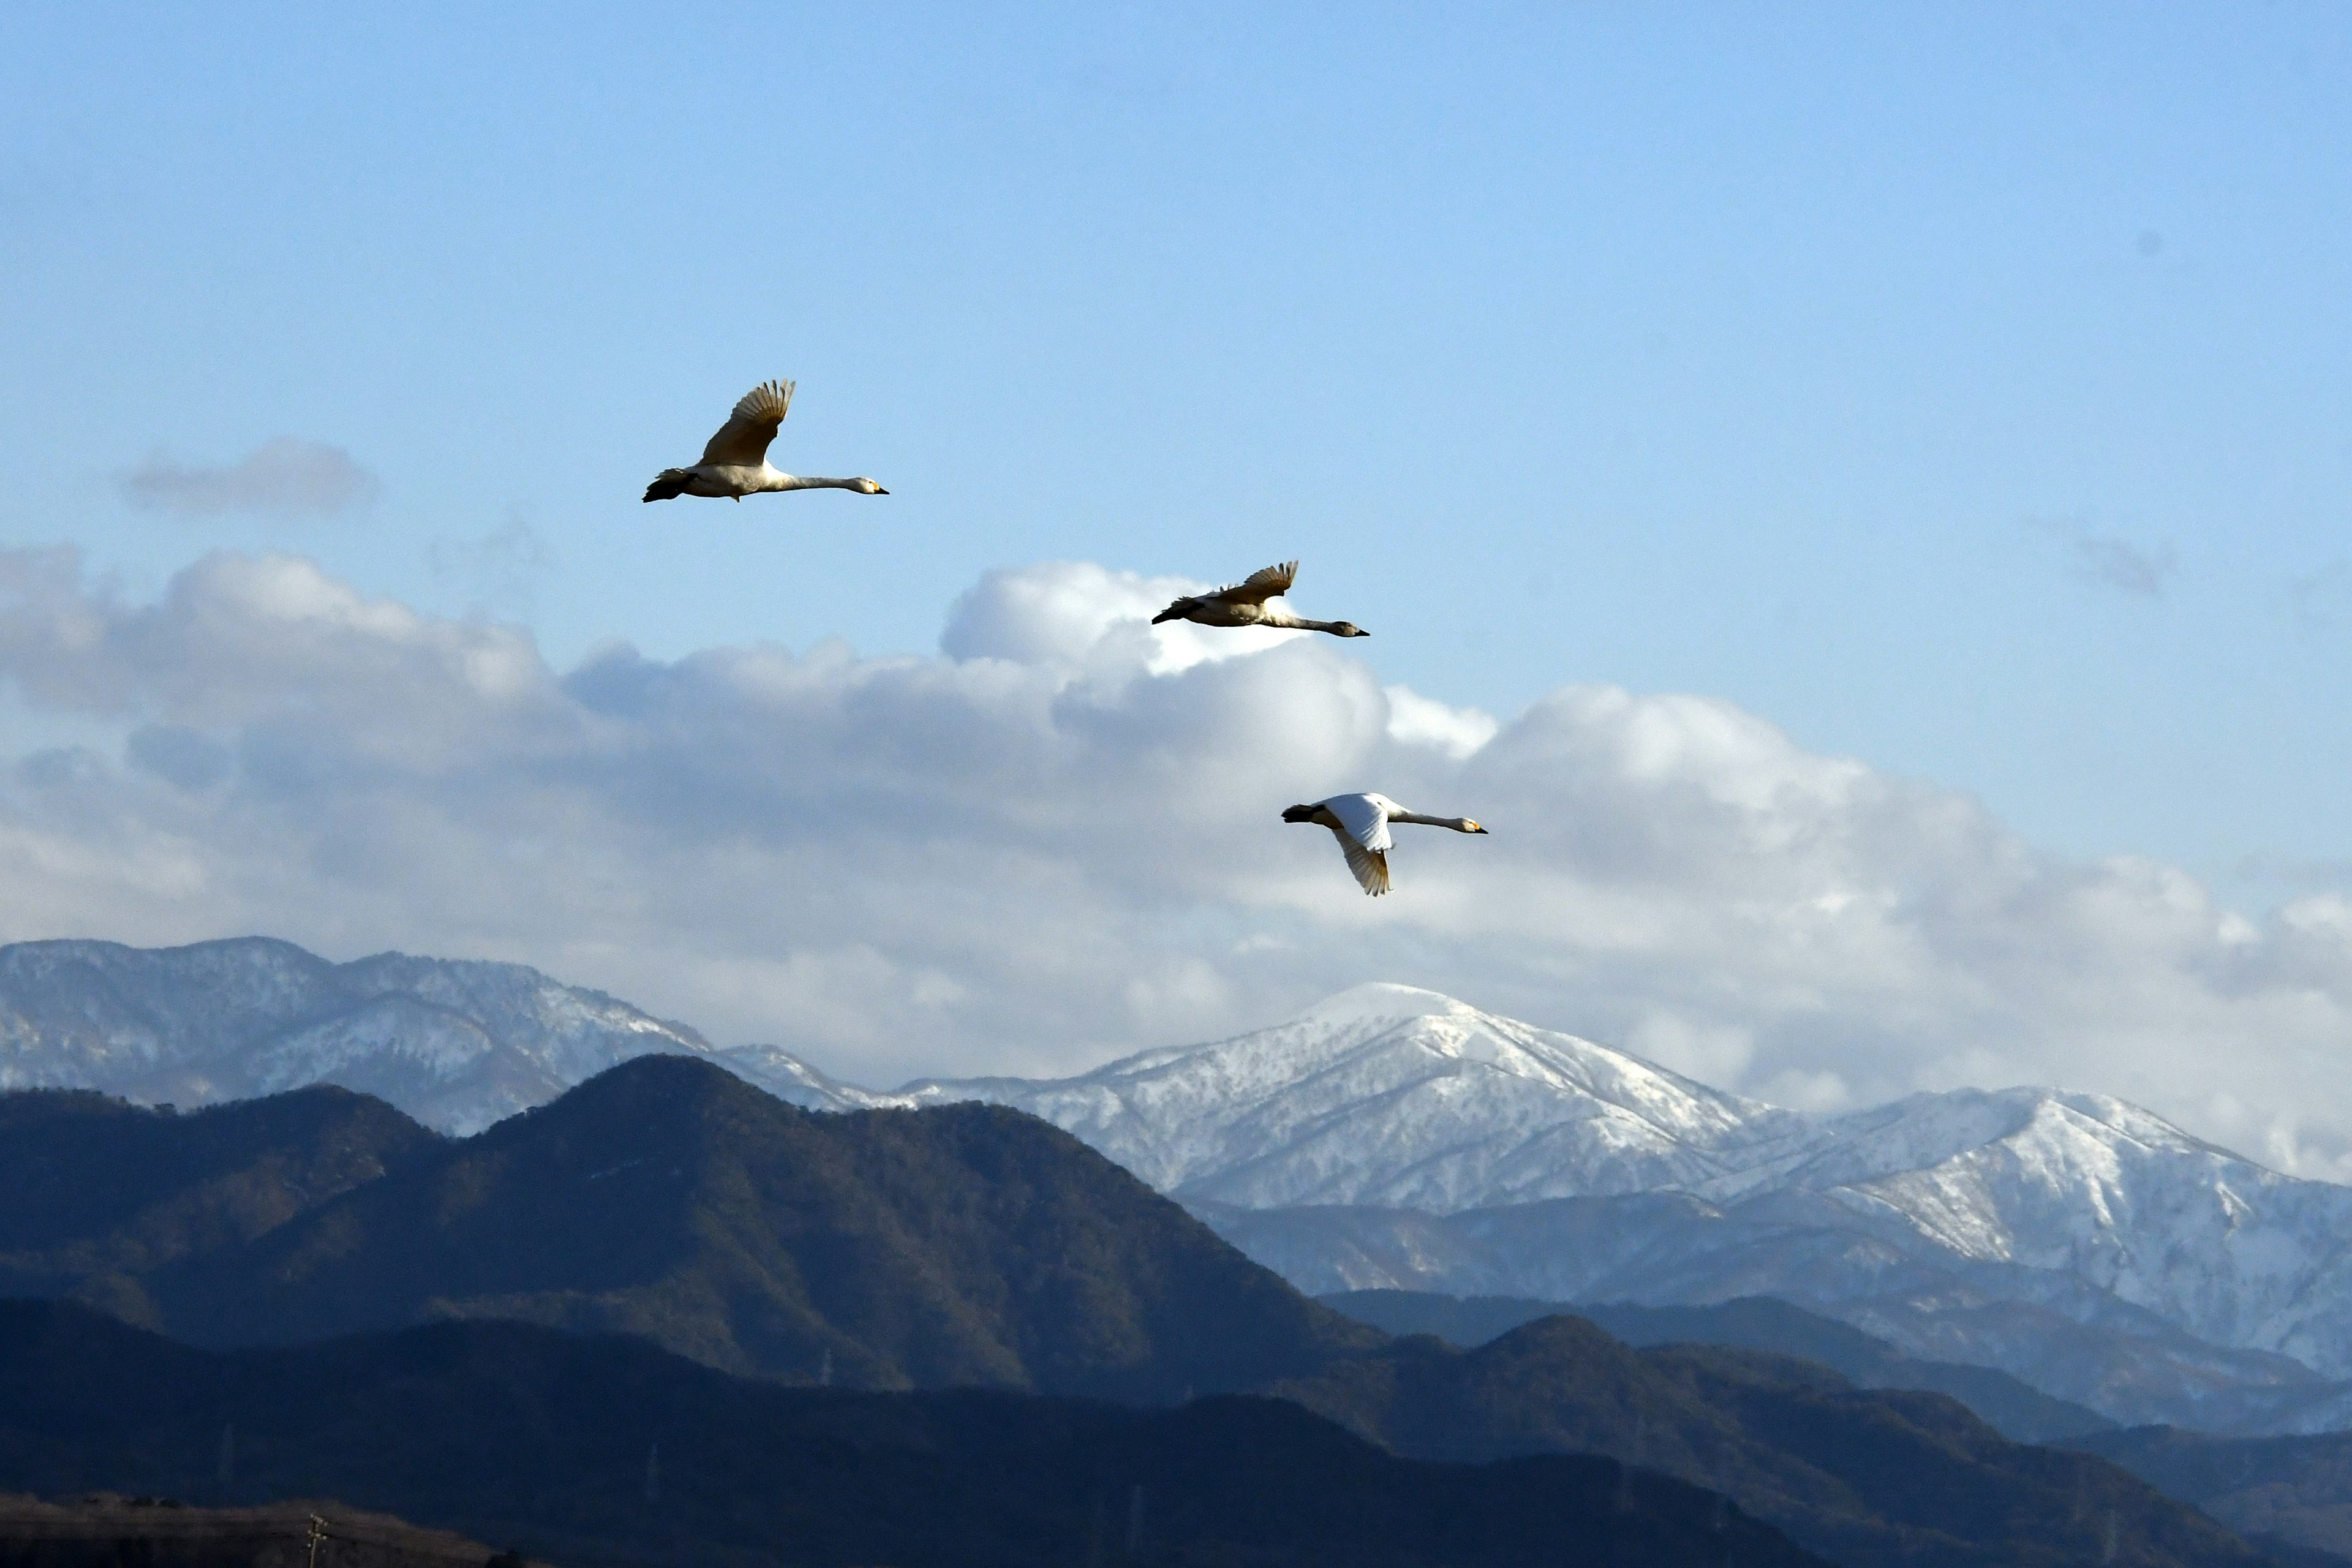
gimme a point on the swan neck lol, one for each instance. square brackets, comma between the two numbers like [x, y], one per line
[1290, 622]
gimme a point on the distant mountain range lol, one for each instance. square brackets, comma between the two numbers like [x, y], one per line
[1397, 1139]
[455, 1043]
[958, 1244]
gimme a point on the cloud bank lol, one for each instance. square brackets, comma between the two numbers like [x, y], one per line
[1060, 837]
[288, 475]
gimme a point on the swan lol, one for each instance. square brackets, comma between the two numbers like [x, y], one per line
[735, 463]
[1360, 824]
[1244, 604]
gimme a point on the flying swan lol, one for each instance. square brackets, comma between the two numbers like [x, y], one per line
[1360, 824]
[735, 463]
[1244, 604]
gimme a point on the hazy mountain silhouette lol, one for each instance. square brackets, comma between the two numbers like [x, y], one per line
[2286, 1493]
[609, 1449]
[1863, 1477]
[2015, 1409]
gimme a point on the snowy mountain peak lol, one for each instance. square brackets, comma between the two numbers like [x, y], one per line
[1387, 1094]
[455, 1043]
[1381, 1000]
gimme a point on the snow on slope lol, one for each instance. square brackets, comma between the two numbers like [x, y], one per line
[1390, 1099]
[1467, 1152]
[457, 1045]
[1385, 1094]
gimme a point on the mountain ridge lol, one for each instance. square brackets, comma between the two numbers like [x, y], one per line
[1393, 1137]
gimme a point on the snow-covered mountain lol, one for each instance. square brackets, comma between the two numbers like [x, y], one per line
[1395, 1137]
[1385, 1094]
[1411, 1141]
[457, 1045]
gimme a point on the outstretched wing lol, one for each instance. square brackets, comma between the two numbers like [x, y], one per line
[743, 440]
[1362, 817]
[1260, 585]
[1371, 866]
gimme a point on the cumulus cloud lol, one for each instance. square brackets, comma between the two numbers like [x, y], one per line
[1059, 837]
[288, 476]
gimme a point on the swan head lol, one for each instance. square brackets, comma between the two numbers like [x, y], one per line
[1348, 629]
[867, 488]
[1466, 826]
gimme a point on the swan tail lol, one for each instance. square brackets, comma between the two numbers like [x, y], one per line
[668, 484]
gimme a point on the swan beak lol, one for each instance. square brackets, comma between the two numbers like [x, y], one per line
[880, 491]
[1475, 828]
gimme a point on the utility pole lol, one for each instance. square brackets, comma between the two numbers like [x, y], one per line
[315, 1539]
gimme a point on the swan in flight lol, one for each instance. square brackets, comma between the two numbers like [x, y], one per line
[1360, 824]
[735, 463]
[1244, 604]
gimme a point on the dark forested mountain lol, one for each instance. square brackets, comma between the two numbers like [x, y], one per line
[1870, 1479]
[585, 1450]
[961, 1245]
[972, 1245]
[95, 1192]
[2017, 1411]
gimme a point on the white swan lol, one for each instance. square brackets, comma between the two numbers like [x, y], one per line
[1244, 604]
[1360, 823]
[735, 463]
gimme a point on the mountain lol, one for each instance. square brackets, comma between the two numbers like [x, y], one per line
[1391, 1096]
[1395, 1139]
[2017, 1411]
[960, 1245]
[609, 1450]
[1866, 1478]
[2285, 1492]
[457, 1045]
[100, 1192]
[2092, 1349]
[895, 1248]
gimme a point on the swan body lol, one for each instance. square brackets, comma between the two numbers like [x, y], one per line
[1360, 823]
[1244, 604]
[735, 461]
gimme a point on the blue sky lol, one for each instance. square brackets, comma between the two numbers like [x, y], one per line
[1961, 390]
[1795, 355]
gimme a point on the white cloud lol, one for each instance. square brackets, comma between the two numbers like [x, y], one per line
[1060, 837]
[288, 475]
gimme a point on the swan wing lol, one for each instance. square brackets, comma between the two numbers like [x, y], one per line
[1366, 818]
[1371, 866]
[743, 440]
[1260, 585]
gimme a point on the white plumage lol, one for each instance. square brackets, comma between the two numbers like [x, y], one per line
[1360, 824]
